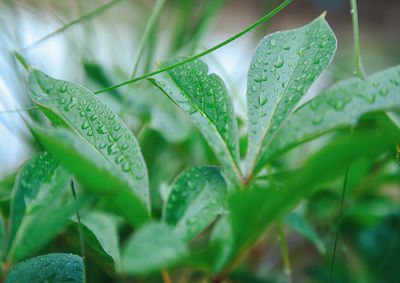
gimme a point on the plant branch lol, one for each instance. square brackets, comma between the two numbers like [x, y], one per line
[78, 218]
[262, 20]
[285, 253]
[358, 70]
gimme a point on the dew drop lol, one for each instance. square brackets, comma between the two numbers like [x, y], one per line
[101, 130]
[93, 117]
[272, 42]
[279, 62]
[384, 92]
[317, 120]
[63, 88]
[286, 47]
[263, 99]
[85, 125]
[125, 167]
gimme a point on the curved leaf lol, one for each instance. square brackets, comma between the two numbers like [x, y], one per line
[66, 103]
[101, 233]
[48, 268]
[93, 171]
[283, 67]
[195, 200]
[153, 247]
[340, 105]
[204, 98]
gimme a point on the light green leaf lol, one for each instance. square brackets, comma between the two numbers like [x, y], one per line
[40, 181]
[283, 68]
[301, 226]
[204, 98]
[256, 209]
[93, 171]
[195, 200]
[48, 268]
[101, 233]
[339, 106]
[153, 247]
[66, 103]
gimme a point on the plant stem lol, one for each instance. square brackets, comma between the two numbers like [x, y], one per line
[358, 71]
[85, 17]
[285, 252]
[338, 222]
[263, 19]
[81, 242]
[165, 276]
[149, 27]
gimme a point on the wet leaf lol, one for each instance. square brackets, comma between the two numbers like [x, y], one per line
[283, 68]
[153, 247]
[48, 268]
[204, 98]
[341, 105]
[195, 200]
[66, 103]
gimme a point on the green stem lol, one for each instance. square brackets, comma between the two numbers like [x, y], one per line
[149, 27]
[85, 17]
[285, 252]
[338, 222]
[358, 71]
[263, 19]
[78, 218]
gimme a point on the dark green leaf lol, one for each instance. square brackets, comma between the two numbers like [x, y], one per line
[40, 181]
[101, 233]
[283, 68]
[204, 98]
[2, 241]
[93, 171]
[195, 200]
[66, 103]
[153, 247]
[48, 268]
[339, 106]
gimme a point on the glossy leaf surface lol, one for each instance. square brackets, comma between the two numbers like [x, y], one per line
[283, 68]
[339, 106]
[48, 268]
[153, 247]
[93, 171]
[204, 98]
[195, 200]
[67, 103]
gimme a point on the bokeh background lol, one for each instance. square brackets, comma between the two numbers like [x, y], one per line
[101, 51]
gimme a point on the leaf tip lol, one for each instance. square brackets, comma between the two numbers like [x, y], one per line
[323, 15]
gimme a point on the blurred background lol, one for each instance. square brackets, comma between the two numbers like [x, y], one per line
[101, 49]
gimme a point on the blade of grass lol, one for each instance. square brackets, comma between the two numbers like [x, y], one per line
[358, 69]
[85, 17]
[285, 252]
[260, 21]
[81, 242]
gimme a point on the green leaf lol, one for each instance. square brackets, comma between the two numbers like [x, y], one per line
[153, 247]
[283, 68]
[2, 242]
[39, 181]
[301, 226]
[256, 209]
[204, 98]
[101, 233]
[66, 103]
[48, 268]
[93, 171]
[195, 200]
[341, 105]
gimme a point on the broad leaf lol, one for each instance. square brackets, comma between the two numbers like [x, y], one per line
[204, 98]
[153, 247]
[48, 268]
[40, 181]
[101, 233]
[339, 106]
[93, 171]
[257, 208]
[66, 103]
[195, 200]
[301, 226]
[283, 68]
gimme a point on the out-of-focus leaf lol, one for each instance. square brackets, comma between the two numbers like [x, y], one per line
[66, 103]
[301, 226]
[40, 181]
[153, 247]
[283, 68]
[204, 98]
[2, 241]
[101, 233]
[48, 268]
[194, 201]
[257, 208]
[339, 106]
[93, 171]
